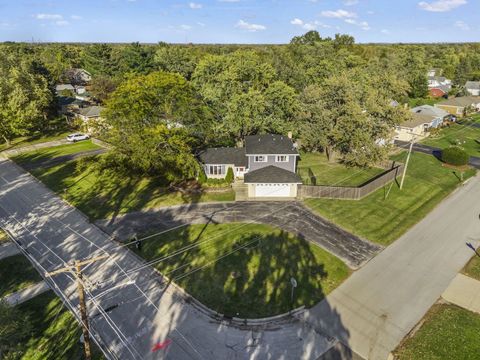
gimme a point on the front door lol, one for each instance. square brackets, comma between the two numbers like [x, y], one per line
[239, 171]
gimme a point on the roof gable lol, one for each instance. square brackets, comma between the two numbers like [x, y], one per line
[224, 155]
[272, 175]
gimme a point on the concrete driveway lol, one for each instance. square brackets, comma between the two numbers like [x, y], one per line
[290, 216]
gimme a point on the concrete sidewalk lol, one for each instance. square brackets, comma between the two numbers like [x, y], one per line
[464, 291]
[8, 249]
[26, 294]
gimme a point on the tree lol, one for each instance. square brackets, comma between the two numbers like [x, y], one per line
[310, 38]
[98, 60]
[14, 328]
[176, 59]
[25, 97]
[350, 117]
[152, 119]
[101, 87]
[135, 58]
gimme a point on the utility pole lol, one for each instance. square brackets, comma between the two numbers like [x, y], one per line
[76, 269]
[406, 163]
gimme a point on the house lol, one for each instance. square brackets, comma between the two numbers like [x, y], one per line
[440, 91]
[77, 76]
[460, 106]
[473, 88]
[267, 163]
[89, 113]
[438, 115]
[69, 105]
[439, 82]
[414, 129]
[59, 88]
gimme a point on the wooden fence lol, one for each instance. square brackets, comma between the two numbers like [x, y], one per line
[352, 193]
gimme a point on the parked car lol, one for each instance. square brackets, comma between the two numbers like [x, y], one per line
[77, 137]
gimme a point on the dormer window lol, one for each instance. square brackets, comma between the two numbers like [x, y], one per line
[282, 158]
[260, 158]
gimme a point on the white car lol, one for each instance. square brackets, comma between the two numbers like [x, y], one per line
[77, 137]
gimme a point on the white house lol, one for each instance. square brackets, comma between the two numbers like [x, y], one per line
[473, 88]
[438, 115]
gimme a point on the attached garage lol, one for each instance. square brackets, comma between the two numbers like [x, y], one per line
[272, 190]
[272, 182]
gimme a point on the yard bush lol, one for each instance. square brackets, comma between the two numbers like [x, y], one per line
[455, 155]
[229, 177]
[202, 177]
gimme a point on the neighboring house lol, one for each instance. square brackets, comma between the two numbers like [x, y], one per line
[459, 106]
[437, 92]
[89, 113]
[434, 72]
[437, 115]
[77, 76]
[268, 164]
[64, 87]
[473, 88]
[414, 129]
[69, 105]
[439, 82]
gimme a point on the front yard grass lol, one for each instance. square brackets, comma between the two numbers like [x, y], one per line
[327, 173]
[472, 268]
[16, 273]
[41, 155]
[382, 221]
[105, 194]
[56, 333]
[463, 135]
[449, 332]
[34, 139]
[3, 237]
[250, 281]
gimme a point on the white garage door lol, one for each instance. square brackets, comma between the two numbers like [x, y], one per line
[272, 190]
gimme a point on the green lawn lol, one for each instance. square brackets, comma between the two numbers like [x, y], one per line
[35, 139]
[250, 282]
[3, 237]
[55, 334]
[449, 332]
[472, 269]
[108, 193]
[333, 173]
[41, 155]
[382, 221]
[463, 135]
[16, 273]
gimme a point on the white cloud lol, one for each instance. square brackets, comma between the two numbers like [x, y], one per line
[250, 27]
[62, 23]
[76, 17]
[462, 25]
[441, 5]
[201, 24]
[350, 2]
[385, 31]
[48, 17]
[185, 27]
[193, 5]
[338, 14]
[232, 1]
[308, 25]
[362, 24]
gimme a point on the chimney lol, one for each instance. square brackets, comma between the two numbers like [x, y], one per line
[290, 135]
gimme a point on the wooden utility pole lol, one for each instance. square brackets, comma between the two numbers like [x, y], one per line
[76, 269]
[406, 163]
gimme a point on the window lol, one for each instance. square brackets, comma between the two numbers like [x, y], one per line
[260, 158]
[282, 158]
[216, 170]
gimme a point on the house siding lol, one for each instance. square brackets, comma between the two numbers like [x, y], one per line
[290, 165]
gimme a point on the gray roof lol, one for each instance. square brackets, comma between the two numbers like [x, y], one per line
[473, 85]
[269, 144]
[272, 175]
[91, 111]
[461, 101]
[417, 120]
[219, 156]
[430, 110]
[61, 87]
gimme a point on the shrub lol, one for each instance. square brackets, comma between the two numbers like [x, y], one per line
[229, 177]
[455, 155]
[202, 177]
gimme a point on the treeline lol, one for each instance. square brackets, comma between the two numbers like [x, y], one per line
[333, 94]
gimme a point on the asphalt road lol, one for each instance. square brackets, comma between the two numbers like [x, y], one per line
[133, 315]
[384, 300]
[290, 216]
[430, 150]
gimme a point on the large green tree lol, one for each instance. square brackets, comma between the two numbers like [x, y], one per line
[14, 328]
[152, 121]
[25, 97]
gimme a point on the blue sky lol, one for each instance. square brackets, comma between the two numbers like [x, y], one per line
[238, 21]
